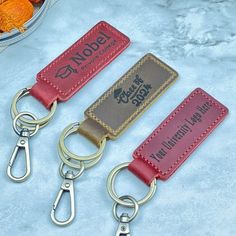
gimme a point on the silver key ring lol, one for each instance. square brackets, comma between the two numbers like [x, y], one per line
[16, 126]
[135, 204]
[41, 122]
[111, 189]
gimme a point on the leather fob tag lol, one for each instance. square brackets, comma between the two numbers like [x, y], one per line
[172, 142]
[69, 72]
[131, 95]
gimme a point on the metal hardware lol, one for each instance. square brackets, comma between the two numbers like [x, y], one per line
[113, 194]
[66, 156]
[67, 186]
[75, 176]
[125, 219]
[123, 228]
[41, 122]
[79, 163]
[22, 143]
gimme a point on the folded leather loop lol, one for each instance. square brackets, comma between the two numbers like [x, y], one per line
[43, 93]
[142, 170]
[93, 131]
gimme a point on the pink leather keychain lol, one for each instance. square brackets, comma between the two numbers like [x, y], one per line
[61, 79]
[164, 151]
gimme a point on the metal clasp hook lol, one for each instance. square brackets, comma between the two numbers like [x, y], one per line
[22, 143]
[123, 229]
[67, 186]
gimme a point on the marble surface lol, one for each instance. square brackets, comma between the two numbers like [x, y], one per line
[198, 39]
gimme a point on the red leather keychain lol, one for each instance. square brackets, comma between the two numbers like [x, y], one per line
[61, 79]
[169, 145]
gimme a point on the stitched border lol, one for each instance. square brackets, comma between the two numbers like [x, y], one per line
[81, 40]
[217, 105]
[121, 81]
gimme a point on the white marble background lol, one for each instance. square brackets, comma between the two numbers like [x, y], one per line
[198, 39]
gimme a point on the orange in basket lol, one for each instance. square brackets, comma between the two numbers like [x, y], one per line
[34, 1]
[14, 13]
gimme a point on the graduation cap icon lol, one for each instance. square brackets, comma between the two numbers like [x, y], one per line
[65, 71]
[117, 92]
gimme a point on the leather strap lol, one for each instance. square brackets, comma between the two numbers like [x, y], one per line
[69, 72]
[91, 130]
[129, 97]
[173, 141]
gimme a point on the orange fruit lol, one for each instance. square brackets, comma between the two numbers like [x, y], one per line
[34, 1]
[14, 13]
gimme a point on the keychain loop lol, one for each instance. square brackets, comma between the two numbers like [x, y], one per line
[63, 150]
[16, 126]
[75, 176]
[41, 122]
[22, 143]
[135, 204]
[68, 160]
[115, 197]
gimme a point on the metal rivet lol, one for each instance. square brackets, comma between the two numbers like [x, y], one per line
[22, 141]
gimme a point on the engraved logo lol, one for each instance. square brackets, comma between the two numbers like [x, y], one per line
[183, 130]
[135, 94]
[65, 71]
[79, 58]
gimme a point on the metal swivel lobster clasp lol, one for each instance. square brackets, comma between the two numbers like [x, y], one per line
[123, 229]
[22, 143]
[67, 186]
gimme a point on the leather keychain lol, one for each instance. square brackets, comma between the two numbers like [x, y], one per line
[164, 151]
[109, 116]
[61, 79]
